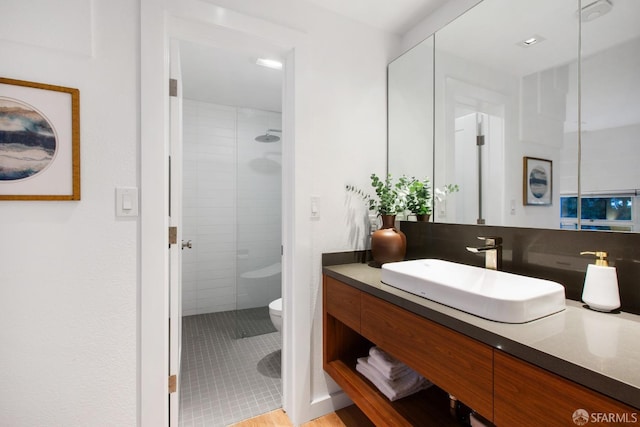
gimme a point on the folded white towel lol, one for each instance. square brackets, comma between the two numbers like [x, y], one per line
[389, 372]
[389, 366]
[393, 390]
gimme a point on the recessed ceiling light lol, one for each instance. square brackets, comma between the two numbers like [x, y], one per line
[595, 10]
[530, 41]
[269, 63]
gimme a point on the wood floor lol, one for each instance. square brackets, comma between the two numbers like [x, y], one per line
[350, 416]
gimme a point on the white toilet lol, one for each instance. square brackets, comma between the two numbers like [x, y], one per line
[275, 312]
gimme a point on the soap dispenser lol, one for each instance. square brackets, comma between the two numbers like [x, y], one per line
[600, 291]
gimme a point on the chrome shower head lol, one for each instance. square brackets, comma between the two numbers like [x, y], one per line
[267, 137]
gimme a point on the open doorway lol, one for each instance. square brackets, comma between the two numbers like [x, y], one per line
[215, 26]
[232, 214]
[474, 128]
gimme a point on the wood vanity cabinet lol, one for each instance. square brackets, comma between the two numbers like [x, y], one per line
[354, 321]
[343, 303]
[503, 389]
[526, 395]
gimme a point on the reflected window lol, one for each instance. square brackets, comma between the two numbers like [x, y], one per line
[597, 212]
[568, 207]
[597, 208]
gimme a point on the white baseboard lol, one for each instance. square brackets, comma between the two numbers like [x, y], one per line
[327, 404]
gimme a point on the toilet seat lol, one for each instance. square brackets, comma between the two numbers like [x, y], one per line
[275, 313]
[275, 307]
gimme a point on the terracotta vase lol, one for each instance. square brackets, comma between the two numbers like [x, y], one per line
[423, 217]
[388, 244]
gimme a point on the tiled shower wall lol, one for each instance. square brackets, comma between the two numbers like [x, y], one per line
[231, 207]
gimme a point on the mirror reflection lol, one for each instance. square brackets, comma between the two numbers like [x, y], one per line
[410, 110]
[610, 118]
[511, 82]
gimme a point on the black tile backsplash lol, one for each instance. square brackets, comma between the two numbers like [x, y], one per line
[336, 258]
[546, 254]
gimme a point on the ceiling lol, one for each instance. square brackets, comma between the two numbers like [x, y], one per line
[231, 77]
[490, 34]
[396, 16]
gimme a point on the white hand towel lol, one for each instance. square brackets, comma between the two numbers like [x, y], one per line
[389, 372]
[393, 390]
[389, 366]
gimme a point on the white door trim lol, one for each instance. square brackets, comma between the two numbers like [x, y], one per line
[153, 307]
[175, 219]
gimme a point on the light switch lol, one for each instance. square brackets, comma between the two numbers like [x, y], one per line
[442, 208]
[126, 201]
[315, 207]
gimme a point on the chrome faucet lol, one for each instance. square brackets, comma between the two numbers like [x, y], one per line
[492, 251]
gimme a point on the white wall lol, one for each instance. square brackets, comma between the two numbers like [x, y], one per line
[68, 270]
[341, 139]
[231, 207]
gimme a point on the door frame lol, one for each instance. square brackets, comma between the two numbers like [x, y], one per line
[158, 23]
[175, 220]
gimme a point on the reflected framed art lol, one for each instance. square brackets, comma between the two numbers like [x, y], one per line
[537, 181]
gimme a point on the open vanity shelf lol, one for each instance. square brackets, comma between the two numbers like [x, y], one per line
[427, 407]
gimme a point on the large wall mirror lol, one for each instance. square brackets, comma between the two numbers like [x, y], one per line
[531, 108]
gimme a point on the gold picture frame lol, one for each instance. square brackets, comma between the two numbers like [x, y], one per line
[39, 141]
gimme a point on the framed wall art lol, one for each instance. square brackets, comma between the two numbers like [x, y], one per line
[39, 141]
[537, 181]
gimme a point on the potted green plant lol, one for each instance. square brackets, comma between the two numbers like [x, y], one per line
[419, 198]
[389, 198]
[388, 244]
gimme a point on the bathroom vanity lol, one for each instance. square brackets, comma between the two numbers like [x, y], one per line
[537, 373]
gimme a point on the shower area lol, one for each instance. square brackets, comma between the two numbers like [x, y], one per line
[232, 180]
[232, 213]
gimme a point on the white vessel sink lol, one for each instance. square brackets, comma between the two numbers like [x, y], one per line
[493, 295]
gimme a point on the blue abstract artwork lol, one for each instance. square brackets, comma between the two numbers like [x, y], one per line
[27, 141]
[538, 182]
